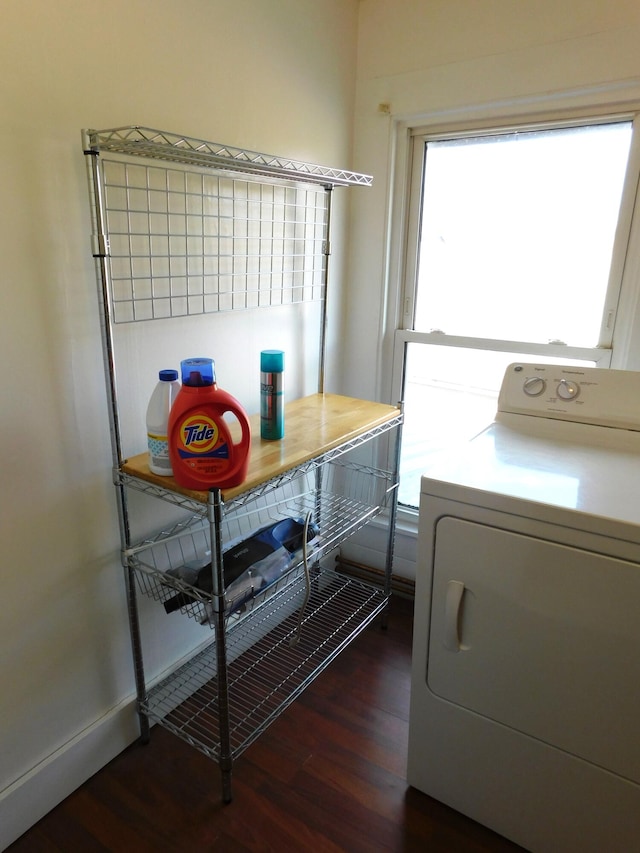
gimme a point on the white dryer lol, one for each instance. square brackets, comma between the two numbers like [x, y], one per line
[525, 695]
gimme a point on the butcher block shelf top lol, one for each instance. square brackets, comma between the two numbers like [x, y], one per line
[314, 426]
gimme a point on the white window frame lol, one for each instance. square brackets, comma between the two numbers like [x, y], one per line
[619, 342]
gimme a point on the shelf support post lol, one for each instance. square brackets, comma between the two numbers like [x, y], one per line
[100, 254]
[214, 513]
[323, 324]
[393, 511]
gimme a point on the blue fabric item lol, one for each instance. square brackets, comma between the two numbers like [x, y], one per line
[284, 536]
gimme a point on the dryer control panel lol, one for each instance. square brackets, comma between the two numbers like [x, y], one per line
[589, 395]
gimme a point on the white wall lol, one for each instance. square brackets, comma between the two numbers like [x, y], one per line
[442, 60]
[277, 77]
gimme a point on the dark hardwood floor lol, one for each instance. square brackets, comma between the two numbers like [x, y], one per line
[328, 775]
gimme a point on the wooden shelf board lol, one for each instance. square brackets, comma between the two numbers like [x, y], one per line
[313, 426]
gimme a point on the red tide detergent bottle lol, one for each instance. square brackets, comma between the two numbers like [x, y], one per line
[201, 448]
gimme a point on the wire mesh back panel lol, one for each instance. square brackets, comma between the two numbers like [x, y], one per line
[184, 241]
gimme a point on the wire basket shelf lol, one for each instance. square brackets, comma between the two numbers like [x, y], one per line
[350, 495]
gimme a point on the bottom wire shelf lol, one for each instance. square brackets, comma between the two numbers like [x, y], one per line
[268, 674]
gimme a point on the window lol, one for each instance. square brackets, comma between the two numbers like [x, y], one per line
[516, 247]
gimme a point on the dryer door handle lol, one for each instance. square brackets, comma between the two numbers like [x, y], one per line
[453, 601]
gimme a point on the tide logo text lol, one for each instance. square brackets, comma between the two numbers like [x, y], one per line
[197, 432]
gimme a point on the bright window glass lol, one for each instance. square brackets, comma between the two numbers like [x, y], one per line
[517, 233]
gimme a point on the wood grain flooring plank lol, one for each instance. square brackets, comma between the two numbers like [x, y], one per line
[328, 776]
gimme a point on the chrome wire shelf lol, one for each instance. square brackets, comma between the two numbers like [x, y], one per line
[163, 145]
[182, 227]
[268, 674]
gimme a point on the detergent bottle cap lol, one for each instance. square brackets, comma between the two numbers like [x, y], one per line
[198, 372]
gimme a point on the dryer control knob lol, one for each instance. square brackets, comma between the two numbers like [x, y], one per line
[568, 390]
[534, 386]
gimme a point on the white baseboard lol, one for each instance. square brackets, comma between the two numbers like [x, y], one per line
[39, 790]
